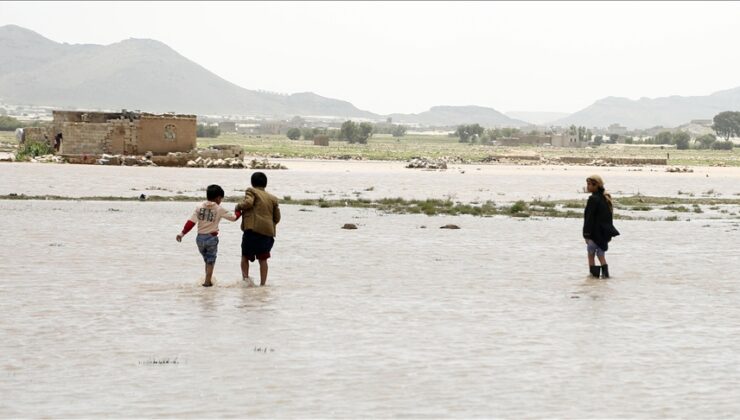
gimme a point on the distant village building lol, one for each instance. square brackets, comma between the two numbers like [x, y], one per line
[566, 140]
[524, 140]
[616, 129]
[129, 133]
[227, 126]
[273, 127]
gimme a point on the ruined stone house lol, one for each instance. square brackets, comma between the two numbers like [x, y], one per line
[128, 133]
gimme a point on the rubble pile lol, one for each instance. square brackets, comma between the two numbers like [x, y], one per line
[678, 169]
[116, 160]
[47, 159]
[234, 163]
[426, 163]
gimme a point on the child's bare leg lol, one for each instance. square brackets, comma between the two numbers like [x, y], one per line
[245, 267]
[263, 272]
[209, 274]
[602, 259]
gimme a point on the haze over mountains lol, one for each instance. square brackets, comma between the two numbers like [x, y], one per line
[148, 75]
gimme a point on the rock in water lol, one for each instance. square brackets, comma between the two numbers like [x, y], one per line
[349, 226]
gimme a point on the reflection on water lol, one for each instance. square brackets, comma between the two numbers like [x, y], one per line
[497, 319]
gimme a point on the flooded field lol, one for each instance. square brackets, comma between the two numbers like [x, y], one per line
[338, 179]
[103, 314]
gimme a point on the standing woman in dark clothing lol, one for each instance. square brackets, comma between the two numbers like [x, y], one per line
[598, 227]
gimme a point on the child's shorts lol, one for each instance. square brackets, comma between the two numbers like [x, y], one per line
[592, 248]
[208, 247]
[256, 245]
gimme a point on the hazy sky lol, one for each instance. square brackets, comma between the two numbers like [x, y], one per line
[405, 57]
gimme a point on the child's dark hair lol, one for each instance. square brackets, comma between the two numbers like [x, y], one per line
[213, 192]
[259, 179]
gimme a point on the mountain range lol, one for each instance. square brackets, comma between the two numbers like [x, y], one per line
[149, 75]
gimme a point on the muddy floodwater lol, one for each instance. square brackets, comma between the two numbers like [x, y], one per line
[369, 179]
[103, 315]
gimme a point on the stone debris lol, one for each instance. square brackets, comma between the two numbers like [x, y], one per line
[47, 159]
[133, 161]
[679, 169]
[265, 164]
[349, 226]
[450, 226]
[426, 163]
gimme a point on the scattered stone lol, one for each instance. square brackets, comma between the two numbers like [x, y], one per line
[265, 164]
[349, 226]
[47, 159]
[142, 197]
[679, 169]
[450, 226]
[426, 163]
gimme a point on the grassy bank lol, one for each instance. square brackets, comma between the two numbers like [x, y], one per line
[386, 147]
[626, 208]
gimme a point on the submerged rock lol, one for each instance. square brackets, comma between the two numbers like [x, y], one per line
[349, 226]
[450, 226]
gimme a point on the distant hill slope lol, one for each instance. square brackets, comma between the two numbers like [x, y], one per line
[670, 111]
[537, 117]
[455, 115]
[136, 74]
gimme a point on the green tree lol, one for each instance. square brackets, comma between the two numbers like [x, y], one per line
[364, 132]
[681, 140]
[470, 131]
[348, 131]
[613, 138]
[722, 145]
[664, 137]
[9, 123]
[727, 124]
[598, 140]
[509, 132]
[399, 130]
[706, 141]
[309, 133]
[294, 133]
[203, 130]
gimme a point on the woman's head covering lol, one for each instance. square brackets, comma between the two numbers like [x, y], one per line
[597, 180]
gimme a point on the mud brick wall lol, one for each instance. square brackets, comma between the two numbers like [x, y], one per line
[85, 138]
[36, 134]
[122, 137]
[164, 134]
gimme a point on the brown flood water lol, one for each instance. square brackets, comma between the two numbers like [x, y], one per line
[496, 319]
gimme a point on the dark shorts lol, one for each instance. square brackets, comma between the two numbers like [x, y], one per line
[208, 247]
[255, 245]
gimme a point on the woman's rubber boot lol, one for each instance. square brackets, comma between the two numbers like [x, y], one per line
[605, 271]
[594, 270]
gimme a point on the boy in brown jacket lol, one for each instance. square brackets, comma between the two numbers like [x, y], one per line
[260, 214]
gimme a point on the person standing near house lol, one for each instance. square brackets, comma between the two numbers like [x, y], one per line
[58, 142]
[598, 227]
